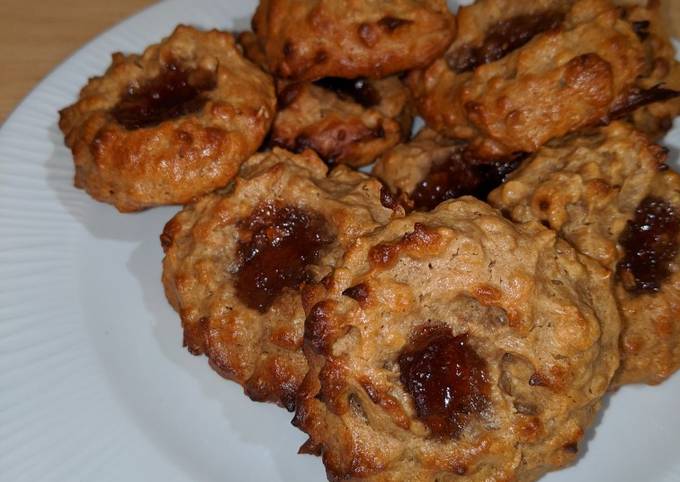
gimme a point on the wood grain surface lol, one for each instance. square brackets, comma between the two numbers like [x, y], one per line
[35, 36]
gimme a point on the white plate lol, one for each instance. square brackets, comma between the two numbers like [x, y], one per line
[94, 383]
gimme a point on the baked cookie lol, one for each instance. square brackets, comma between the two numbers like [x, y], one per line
[170, 124]
[455, 344]
[522, 73]
[432, 169]
[662, 70]
[235, 261]
[312, 39]
[345, 121]
[613, 198]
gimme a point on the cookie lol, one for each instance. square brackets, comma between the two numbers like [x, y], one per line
[235, 261]
[522, 73]
[432, 169]
[170, 124]
[662, 71]
[453, 345]
[613, 198]
[309, 40]
[345, 121]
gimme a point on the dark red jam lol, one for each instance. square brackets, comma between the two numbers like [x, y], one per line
[387, 198]
[502, 38]
[277, 246]
[446, 378]
[650, 243]
[462, 175]
[357, 292]
[174, 93]
[358, 90]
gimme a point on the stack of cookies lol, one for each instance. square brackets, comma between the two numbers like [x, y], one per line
[459, 312]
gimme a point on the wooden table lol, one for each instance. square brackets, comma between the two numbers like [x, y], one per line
[36, 36]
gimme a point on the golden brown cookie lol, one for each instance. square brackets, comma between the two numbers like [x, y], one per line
[235, 261]
[432, 168]
[311, 39]
[522, 73]
[612, 197]
[456, 345]
[345, 121]
[172, 123]
[662, 69]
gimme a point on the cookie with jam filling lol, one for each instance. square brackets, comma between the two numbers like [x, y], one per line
[170, 124]
[611, 195]
[522, 73]
[236, 260]
[309, 40]
[431, 169]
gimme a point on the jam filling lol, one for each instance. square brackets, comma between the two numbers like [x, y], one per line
[356, 90]
[278, 244]
[460, 175]
[502, 38]
[174, 93]
[650, 243]
[446, 378]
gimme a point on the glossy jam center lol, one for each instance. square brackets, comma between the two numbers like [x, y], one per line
[650, 244]
[462, 175]
[502, 38]
[277, 246]
[174, 93]
[446, 378]
[357, 90]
